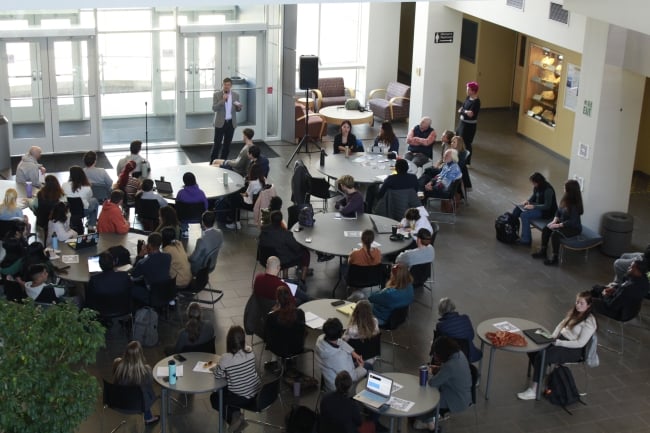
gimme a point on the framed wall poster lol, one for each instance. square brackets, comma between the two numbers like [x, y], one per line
[572, 86]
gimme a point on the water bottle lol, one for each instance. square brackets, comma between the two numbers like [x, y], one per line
[225, 178]
[322, 157]
[28, 189]
[55, 241]
[172, 372]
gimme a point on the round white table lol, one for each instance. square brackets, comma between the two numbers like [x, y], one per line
[488, 326]
[365, 168]
[209, 179]
[335, 114]
[192, 382]
[426, 398]
[324, 309]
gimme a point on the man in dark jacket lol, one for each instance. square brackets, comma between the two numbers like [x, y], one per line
[281, 242]
[621, 301]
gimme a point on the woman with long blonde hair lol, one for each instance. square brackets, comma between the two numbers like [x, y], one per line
[9, 209]
[398, 293]
[362, 325]
[131, 369]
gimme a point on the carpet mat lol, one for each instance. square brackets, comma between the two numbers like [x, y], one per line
[202, 153]
[63, 161]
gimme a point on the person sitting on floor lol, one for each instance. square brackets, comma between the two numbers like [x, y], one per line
[398, 293]
[335, 355]
[420, 141]
[338, 412]
[621, 301]
[457, 326]
[402, 179]
[196, 331]
[111, 219]
[351, 205]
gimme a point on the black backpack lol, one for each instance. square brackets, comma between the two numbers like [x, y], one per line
[306, 215]
[301, 419]
[561, 388]
[507, 227]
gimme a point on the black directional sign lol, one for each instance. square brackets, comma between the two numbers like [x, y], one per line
[443, 38]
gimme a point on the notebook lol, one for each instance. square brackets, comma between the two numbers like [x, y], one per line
[164, 188]
[377, 391]
[381, 228]
[85, 241]
[538, 335]
[347, 309]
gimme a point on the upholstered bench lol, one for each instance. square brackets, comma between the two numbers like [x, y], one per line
[585, 241]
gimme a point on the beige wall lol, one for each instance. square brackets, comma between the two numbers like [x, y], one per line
[558, 139]
[642, 159]
[494, 67]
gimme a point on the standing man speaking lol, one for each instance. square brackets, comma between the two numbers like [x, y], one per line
[225, 104]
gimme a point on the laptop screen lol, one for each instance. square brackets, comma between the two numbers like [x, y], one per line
[164, 187]
[379, 384]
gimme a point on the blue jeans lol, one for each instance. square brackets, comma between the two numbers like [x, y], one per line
[525, 217]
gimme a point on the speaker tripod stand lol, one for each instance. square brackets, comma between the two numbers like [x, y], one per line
[304, 141]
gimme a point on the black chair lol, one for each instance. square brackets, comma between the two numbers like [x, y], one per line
[207, 347]
[286, 342]
[423, 277]
[43, 216]
[47, 296]
[14, 292]
[368, 348]
[6, 226]
[76, 206]
[114, 305]
[201, 283]
[293, 212]
[268, 394]
[320, 188]
[160, 294]
[100, 192]
[190, 213]
[628, 315]
[359, 277]
[147, 213]
[450, 197]
[125, 399]
[397, 317]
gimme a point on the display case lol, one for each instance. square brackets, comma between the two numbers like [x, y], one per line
[544, 75]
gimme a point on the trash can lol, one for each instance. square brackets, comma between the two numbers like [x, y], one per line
[5, 157]
[617, 233]
[240, 85]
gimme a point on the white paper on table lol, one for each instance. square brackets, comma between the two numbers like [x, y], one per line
[360, 159]
[204, 366]
[375, 244]
[396, 387]
[400, 404]
[163, 371]
[506, 326]
[69, 259]
[313, 321]
[382, 177]
[352, 234]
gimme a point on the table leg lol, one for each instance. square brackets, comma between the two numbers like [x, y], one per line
[437, 419]
[339, 279]
[540, 383]
[221, 414]
[480, 365]
[163, 412]
[489, 376]
[392, 424]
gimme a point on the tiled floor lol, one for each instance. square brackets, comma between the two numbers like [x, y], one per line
[484, 277]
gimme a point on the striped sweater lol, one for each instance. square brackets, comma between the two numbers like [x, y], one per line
[239, 371]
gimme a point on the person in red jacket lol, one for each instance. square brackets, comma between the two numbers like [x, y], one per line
[111, 219]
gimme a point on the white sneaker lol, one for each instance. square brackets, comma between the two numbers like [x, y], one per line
[529, 394]
[231, 226]
[422, 425]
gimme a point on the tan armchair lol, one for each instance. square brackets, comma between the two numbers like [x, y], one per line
[316, 125]
[394, 104]
[332, 91]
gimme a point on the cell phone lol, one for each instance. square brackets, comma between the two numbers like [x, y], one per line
[384, 407]
[337, 303]
[180, 358]
[308, 240]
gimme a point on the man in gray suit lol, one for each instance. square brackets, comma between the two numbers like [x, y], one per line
[225, 104]
[206, 245]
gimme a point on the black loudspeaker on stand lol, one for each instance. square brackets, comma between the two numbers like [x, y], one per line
[308, 80]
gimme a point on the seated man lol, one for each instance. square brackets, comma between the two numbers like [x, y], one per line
[135, 148]
[266, 285]
[151, 266]
[338, 412]
[241, 163]
[29, 170]
[209, 243]
[96, 175]
[147, 193]
[351, 204]
[38, 287]
[439, 185]
[334, 355]
[622, 264]
[111, 219]
[400, 180]
[619, 301]
[424, 253]
[255, 156]
[106, 283]
[420, 141]
[276, 238]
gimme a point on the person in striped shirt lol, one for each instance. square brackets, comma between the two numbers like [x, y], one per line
[237, 366]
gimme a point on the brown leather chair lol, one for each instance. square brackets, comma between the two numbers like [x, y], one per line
[332, 91]
[394, 104]
[316, 124]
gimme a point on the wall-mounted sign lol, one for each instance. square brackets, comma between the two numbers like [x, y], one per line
[443, 38]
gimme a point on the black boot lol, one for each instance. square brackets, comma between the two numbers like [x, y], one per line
[541, 254]
[552, 262]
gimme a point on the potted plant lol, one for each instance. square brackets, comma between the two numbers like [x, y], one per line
[44, 386]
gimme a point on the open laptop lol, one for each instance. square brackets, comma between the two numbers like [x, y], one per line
[377, 392]
[93, 264]
[164, 188]
[380, 228]
[538, 335]
[519, 205]
[85, 241]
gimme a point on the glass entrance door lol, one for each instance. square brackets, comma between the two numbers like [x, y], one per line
[204, 60]
[50, 86]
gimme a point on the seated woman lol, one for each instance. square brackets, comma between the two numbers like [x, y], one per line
[367, 255]
[572, 335]
[130, 369]
[9, 209]
[285, 329]
[79, 186]
[190, 193]
[345, 139]
[398, 293]
[351, 204]
[541, 204]
[565, 224]
[128, 183]
[50, 194]
[415, 219]
[246, 200]
[179, 268]
[241, 163]
[197, 331]
[362, 325]
[167, 218]
[439, 185]
[59, 224]
[386, 140]
[237, 367]
[338, 412]
[450, 373]
[456, 326]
